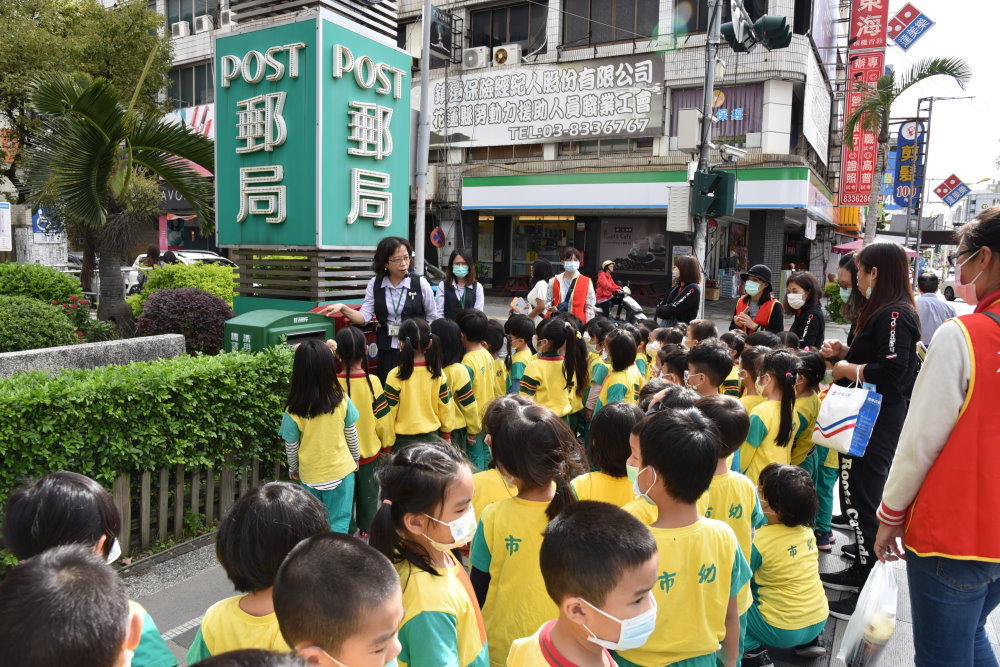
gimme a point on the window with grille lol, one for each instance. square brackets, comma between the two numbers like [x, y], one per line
[589, 22]
[523, 24]
[191, 86]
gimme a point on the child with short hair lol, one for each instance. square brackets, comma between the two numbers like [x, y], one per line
[710, 360]
[520, 329]
[649, 390]
[253, 657]
[496, 339]
[464, 417]
[426, 512]
[417, 390]
[790, 609]
[735, 341]
[559, 371]
[731, 497]
[320, 433]
[624, 381]
[673, 364]
[750, 360]
[773, 422]
[475, 326]
[643, 353]
[490, 485]
[812, 368]
[66, 606]
[700, 330]
[537, 451]
[598, 360]
[339, 602]
[608, 452]
[640, 345]
[702, 568]
[822, 463]
[599, 566]
[254, 537]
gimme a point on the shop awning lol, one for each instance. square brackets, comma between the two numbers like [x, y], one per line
[845, 248]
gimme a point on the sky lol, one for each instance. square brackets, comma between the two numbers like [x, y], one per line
[965, 134]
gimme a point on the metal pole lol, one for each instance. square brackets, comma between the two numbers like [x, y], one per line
[711, 48]
[423, 143]
[923, 194]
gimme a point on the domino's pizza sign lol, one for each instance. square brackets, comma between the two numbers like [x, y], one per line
[952, 190]
[907, 26]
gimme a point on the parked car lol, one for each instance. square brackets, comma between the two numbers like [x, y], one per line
[185, 257]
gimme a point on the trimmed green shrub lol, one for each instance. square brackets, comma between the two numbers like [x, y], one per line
[27, 324]
[195, 314]
[834, 304]
[88, 329]
[215, 279]
[106, 421]
[37, 282]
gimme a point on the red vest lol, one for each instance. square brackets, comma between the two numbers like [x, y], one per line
[763, 317]
[954, 514]
[577, 300]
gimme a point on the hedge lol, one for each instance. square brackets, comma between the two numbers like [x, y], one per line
[37, 282]
[217, 279]
[27, 324]
[143, 416]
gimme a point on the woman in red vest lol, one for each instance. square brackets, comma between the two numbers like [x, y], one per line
[758, 309]
[571, 291]
[941, 498]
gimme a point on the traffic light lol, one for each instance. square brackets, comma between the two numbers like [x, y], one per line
[773, 32]
[714, 193]
[739, 34]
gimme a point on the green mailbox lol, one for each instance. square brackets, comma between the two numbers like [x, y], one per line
[260, 329]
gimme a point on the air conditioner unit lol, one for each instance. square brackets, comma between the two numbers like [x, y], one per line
[508, 54]
[227, 18]
[477, 57]
[203, 24]
[180, 29]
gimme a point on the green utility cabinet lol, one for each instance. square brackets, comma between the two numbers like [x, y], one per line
[261, 329]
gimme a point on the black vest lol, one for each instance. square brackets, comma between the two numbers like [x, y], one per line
[413, 306]
[452, 302]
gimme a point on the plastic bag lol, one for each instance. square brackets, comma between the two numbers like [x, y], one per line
[846, 419]
[874, 620]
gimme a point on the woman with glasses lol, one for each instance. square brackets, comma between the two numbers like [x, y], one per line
[395, 294]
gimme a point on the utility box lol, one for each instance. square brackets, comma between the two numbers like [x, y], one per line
[260, 329]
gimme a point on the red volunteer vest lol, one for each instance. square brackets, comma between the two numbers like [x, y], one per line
[954, 514]
[763, 317]
[577, 300]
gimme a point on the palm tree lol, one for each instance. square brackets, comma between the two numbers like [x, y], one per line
[99, 160]
[875, 108]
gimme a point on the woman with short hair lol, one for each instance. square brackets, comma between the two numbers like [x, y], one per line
[571, 291]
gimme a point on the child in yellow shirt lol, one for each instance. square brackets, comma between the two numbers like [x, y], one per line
[254, 537]
[599, 566]
[464, 413]
[496, 340]
[597, 360]
[735, 342]
[427, 512]
[416, 390]
[609, 450]
[709, 364]
[772, 423]
[822, 464]
[490, 484]
[554, 377]
[520, 329]
[474, 326]
[624, 381]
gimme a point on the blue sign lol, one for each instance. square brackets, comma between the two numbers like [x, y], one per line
[908, 170]
[888, 179]
[956, 195]
[913, 32]
[45, 229]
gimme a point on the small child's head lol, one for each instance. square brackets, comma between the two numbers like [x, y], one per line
[558, 335]
[499, 408]
[338, 599]
[609, 433]
[672, 397]
[415, 338]
[788, 493]
[314, 389]
[735, 340]
[352, 350]
[676, 452]
[730, 419]
[765, 338]
[621, 349]
[521, 330]
[261, 528]
[426, 504]
[750, 361]
[699, 330]
[598, 329]
[66, 607]
[253, 657]
[495, 337]
[675, 335]
[811, 371]
[536, 448]
[600, 564]
[776, 379]
[645, 328]
[673, 364]
[450, 337]
[473, 323]
[649, 390]
[61, 508]
[788, 339]
[633, 330]
[711, 361]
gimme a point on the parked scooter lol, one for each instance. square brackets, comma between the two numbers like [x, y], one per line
[622, 307]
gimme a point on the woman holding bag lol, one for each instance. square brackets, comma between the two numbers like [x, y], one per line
[883, 353]
[942, 492]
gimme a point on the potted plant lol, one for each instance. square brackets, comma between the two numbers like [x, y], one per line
[711, 290]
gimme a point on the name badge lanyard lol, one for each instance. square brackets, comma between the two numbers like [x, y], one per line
[461, 299]
[397, 310]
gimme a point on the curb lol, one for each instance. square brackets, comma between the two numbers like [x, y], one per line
[143, 565]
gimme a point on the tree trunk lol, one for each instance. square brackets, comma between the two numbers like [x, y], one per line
[871, 220]
[89, 259]
[112, 282]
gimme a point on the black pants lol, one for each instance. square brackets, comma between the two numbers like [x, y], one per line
[388, 358]
[862, 480]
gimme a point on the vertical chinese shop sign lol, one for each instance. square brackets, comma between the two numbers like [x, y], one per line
[312, 136]
[859, 162]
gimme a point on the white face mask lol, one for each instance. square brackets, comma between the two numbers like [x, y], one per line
[653, 348]
[116, 551]
[634, 631]
[639, 492]
[571, 266]
[462, 531]
[796, 301]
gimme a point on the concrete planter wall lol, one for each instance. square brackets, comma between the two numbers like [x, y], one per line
[92, 355]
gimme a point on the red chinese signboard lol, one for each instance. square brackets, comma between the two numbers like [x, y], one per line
[857, 166]
[869, 22]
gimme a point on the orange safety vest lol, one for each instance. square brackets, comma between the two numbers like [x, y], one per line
[954, 514]
[763, 317]
[577, 300]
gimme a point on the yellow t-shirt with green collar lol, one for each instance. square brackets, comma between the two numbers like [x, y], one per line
[545, 381]
[518, 363]
[418, 404]
[506, 547]
[374, 431]
[806, 411]
[323, 453]
[620, 387]
[442, 624]
[226, 627]
[480, 365]
[604, 488]
[701, 569]
[786, 583]
[761, 446]
[464, 409]
[501, 377]
[731, 385]
[489, 488]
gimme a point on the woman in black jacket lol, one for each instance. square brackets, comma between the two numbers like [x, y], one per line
[681, 303]
[802, 296]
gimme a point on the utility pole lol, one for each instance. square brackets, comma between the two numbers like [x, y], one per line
[711, 50]
[423, 143]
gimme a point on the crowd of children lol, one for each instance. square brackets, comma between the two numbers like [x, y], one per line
[599, 494]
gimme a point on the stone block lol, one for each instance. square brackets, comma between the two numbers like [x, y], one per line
[92, 355]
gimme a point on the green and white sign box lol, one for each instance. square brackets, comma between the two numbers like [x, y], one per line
[312, 137]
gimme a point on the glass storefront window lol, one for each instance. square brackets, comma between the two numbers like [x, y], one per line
[540, 237]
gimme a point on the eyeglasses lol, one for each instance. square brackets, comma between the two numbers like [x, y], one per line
[405, 259]
[966, 251]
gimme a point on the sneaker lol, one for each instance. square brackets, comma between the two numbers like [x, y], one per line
[814, 649]
[758, 659]
[841, 522]
[843, 609]
[851, 579]
[823, 541]
[849, 551]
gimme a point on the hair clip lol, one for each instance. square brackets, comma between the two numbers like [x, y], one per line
[579, 335]
[788, 375]
[387, 502]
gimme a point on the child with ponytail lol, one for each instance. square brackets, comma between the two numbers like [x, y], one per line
[426, 513]
[538, 453]
[822, 464]
[559, 372]
[417, 391]
[375, 433]
[772, 423]
[464, 414]
[491, 486]
[520, 329]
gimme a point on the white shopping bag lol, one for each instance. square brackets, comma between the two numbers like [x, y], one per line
[874, 620]
[846, 418]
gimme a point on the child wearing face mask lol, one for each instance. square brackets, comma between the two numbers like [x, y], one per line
[559, 371]
[749, 367]
[735, 342]
[520, 330]
[597, 360]
[609, 483]
[600, 566]
[773, 422]
[426, 513]
[822, 464]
